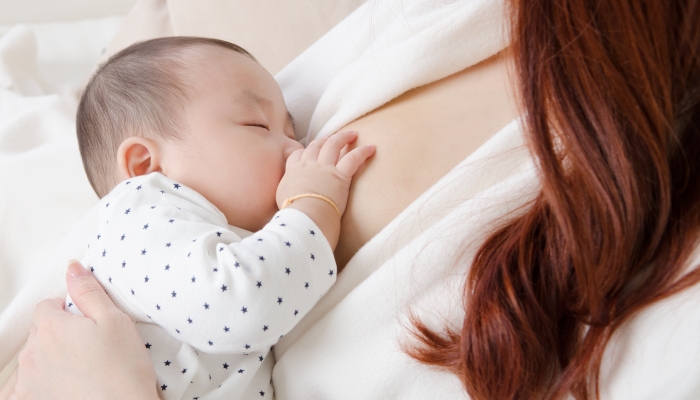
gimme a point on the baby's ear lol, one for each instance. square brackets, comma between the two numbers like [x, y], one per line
[138, 156]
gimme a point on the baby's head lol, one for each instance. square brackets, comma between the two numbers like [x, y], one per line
[201, 111]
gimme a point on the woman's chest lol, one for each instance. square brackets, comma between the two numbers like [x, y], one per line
[420, 136]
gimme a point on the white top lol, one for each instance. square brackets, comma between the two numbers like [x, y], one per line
[208, 304]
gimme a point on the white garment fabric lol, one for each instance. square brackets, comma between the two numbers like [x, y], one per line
[349, 346]
[208, 304]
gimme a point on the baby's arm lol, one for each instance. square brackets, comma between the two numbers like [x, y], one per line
[233, 296]
[322, 169]
[171, 260]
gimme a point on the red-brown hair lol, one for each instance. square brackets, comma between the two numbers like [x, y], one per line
[610, 90]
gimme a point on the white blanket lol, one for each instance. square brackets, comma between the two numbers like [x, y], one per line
[43, 189]
[349, 345]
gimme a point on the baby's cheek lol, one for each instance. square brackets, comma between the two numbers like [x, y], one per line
[246, 208]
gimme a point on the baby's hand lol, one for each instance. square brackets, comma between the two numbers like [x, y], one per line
[320, 169]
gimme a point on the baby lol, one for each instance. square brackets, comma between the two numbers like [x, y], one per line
[190, 146]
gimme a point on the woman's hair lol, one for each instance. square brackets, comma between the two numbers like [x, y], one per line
[610, 91]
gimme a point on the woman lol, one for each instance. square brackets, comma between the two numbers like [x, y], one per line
[580, 253]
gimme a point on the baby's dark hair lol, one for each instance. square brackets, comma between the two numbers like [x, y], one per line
[140, 91]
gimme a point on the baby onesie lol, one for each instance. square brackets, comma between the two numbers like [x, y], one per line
[208, 304]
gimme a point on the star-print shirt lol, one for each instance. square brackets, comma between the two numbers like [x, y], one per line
[208, 304]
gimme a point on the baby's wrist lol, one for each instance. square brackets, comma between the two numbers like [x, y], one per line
[330, 202]
[323, 214]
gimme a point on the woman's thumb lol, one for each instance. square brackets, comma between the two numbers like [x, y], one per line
[87, 294]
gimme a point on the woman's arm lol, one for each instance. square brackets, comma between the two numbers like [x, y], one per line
[99, 356]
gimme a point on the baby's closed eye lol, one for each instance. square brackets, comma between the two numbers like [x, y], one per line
[260, 126]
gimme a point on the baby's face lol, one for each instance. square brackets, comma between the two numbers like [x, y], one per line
[240, 137]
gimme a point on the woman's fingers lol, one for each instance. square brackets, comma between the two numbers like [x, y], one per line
[349, 164]
[330, 152]
[312, 151]
[9, 387]
[63, 346]
[32, 335]
[46, 310]
[86, 292]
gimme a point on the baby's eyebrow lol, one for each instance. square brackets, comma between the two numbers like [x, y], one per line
[250, 97]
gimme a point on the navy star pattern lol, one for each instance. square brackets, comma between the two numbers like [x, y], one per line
[232, 339]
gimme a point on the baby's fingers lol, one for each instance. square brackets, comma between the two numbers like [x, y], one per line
[330, 152]
[312, 150]
[349, 164]
[294, 157]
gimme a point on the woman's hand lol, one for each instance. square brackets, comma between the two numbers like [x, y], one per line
[99, 356]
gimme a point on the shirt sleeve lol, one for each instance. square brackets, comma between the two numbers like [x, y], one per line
[171, 260]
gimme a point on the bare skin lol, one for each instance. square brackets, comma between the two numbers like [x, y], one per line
[420, 136]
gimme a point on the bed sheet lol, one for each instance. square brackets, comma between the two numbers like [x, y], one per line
[43, 189]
